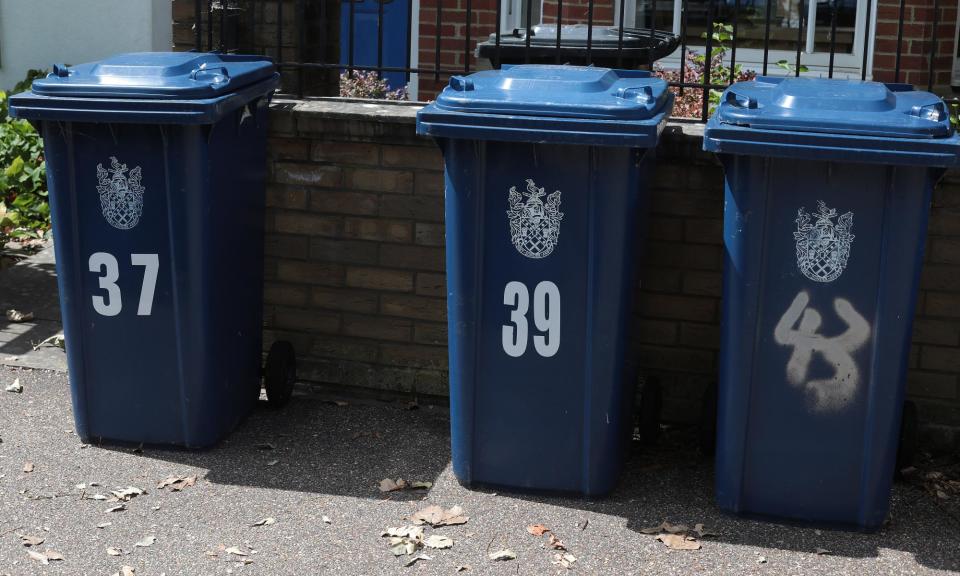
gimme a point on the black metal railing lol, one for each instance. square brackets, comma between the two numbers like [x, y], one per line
[282, 28]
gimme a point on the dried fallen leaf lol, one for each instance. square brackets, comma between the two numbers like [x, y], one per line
[413, 560]
[27, 467]
[53, 555]
[537, 529]
[421, 485]
[437, 516]
[463, 568]
[407, 531]
[822, 551]
[41, 558]
[761, 560]
[702, 531]
[111, 551]
[18, 316]
[56, 340]
[126, 571]
[674, 528]
[264, 522]
[556, 543]
[401, 546]
[16, 387]
[273, 462]
[566, 559]
[438, 541]
[103, 525]
[652, 529]
[326, 520]
[125, 494]
[145, 542]
[117, 508]
[167, 481]
[503, 555]
[235, 551]
[29, 541]
[182, 483]
[678, 542]
[389, 485]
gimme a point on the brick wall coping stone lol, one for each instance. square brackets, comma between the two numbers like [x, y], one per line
[406, 113]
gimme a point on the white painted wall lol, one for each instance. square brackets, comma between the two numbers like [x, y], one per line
[38, 33]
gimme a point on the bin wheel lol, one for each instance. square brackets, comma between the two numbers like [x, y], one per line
[651, 402]
[280, 373]
[708, 420]
[909, 436]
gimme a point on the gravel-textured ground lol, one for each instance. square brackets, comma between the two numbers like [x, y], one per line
[327, 460]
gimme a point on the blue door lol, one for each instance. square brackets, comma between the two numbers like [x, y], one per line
[396, 24]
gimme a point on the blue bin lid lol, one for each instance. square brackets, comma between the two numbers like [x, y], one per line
[562, 104]
[180, 87]
[173, 75]
[821, 118]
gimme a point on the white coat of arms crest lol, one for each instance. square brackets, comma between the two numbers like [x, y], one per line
[534, 225]
[824, 246]
[121, 197]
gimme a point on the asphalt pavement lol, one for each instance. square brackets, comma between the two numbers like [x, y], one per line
[315, 468]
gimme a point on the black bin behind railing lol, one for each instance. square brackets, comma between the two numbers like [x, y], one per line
[240, 25]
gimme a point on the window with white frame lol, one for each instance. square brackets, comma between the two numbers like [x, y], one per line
[785, 30]
[513, 13]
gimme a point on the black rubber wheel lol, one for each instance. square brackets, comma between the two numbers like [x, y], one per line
[280, 373]
[651, 402]
[909, 436]
[708, 420]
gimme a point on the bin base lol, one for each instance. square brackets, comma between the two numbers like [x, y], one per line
[806, 523]
[595, 493]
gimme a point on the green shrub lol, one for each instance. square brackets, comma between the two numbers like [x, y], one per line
[24, 211]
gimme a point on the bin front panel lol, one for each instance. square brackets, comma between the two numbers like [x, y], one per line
[159, 257]
[540, 261]
[820, 280]
[117, 347]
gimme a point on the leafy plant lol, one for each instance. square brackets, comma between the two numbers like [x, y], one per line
[689, 101]
[360, 84]
[791, 68]
[24, 210]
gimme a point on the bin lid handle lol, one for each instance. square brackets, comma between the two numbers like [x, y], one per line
[213, 74]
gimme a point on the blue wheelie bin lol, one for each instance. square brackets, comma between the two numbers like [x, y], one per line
[828, 186]
[546, 171]
[155, 167]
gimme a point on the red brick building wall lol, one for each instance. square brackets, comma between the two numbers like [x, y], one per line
[454, 50]
[917, 42]
[578, 12]
[355, 267]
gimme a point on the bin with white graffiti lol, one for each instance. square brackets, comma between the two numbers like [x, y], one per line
[828, 185]
[546, 175]
[156, 168]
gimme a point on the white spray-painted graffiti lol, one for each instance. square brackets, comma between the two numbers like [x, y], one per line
[828, 394]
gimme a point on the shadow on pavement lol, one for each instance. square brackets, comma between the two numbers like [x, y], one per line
[321, 447]
[30, 286]
[318, 446]
[673, 482]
